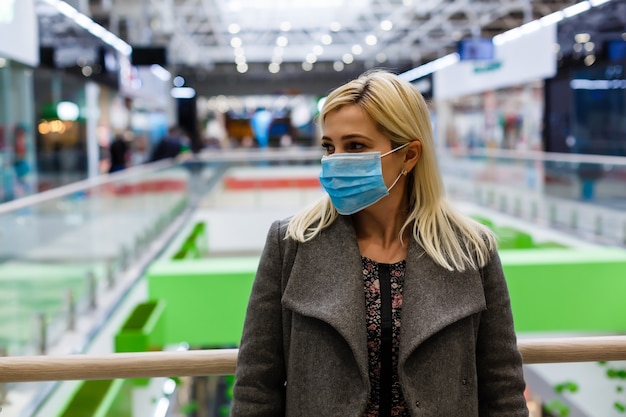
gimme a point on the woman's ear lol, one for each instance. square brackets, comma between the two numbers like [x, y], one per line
[412, 155]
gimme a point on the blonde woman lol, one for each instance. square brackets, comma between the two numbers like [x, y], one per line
[380, 300]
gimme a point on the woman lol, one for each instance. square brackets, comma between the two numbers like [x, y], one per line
[380, 300]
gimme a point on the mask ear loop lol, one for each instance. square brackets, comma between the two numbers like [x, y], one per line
[397, 178]
[396, 149]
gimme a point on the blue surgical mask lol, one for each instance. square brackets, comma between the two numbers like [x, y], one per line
[355, 181]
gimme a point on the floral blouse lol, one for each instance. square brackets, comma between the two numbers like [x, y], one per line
[389, 278]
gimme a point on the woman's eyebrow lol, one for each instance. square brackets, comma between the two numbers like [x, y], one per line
[348, 137]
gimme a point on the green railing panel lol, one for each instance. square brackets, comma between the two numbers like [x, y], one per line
[101, 398]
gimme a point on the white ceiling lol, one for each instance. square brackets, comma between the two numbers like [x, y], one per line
[197, 31]
[199, 34]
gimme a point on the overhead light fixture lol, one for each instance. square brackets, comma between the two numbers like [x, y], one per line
[347, 59]
[326, 39]
[236, 42]
[357, 49]
[178, 81]
[338, 66]
[242, 68]
[285, 26]
[233, 28]
[386, 25]
[430, 67]
[183, 92]
[371, 40]
[307, 66]
[273, 67]
[282, 41]
[577, 8]
[160, 72]
[335, 26]
[68, 111]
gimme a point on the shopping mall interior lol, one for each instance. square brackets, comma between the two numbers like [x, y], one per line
[147, 146]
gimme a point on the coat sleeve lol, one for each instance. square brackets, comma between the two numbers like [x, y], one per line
[499, 364]
[260, 373]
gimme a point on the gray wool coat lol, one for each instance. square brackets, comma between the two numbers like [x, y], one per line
[303, 351]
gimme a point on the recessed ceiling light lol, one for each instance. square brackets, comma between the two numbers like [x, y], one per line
[338, 66]
[386, 25]
[335, 26]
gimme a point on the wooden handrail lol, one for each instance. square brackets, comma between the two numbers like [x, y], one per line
[222, 361]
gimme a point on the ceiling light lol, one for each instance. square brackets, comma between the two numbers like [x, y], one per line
[577, 47]
[357, 49]
[589, 60]
[371, 40]
[582, 37]
[240, 59]
[589, 46]
[273, 67]
[318, 50]
[307, 66]
[311, 58]
[233, 28]
[183, 92]
[327, 39]
[241, 68]
[381, 57]
[285, 26]
[552, 18]
[178, 81]
[160, 72]
[347, 58]
[239, 51]
[578, 8]
[386, 25]
[277, 59]
[282, 41]
[338, 66]
[67, 110]
[235, 42]
[335, 26]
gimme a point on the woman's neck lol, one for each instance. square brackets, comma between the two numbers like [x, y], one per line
[378, 235]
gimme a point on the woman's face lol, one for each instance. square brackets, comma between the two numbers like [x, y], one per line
[351, 130]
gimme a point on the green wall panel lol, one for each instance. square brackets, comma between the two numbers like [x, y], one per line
[206, 298]
[567, 290]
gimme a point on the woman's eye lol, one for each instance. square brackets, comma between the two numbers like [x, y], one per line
[356, 146]
[328, 147]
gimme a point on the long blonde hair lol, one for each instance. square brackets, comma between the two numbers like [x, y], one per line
[450, 238]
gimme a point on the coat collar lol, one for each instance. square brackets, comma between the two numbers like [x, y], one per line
[326, 283]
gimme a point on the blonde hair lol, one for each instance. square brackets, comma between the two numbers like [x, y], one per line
[450, 238]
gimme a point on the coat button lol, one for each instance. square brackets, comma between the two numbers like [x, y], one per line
[417, 403]
[464, 381]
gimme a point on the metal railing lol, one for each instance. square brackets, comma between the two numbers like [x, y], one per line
[223, 361]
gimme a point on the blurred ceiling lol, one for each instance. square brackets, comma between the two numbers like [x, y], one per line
[305, 45]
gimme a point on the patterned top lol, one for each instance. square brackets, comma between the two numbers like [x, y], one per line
[373, 301]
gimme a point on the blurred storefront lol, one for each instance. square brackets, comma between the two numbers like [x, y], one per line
[17, 59]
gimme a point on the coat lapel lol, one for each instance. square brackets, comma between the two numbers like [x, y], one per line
[434, 298]
[326, 283]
